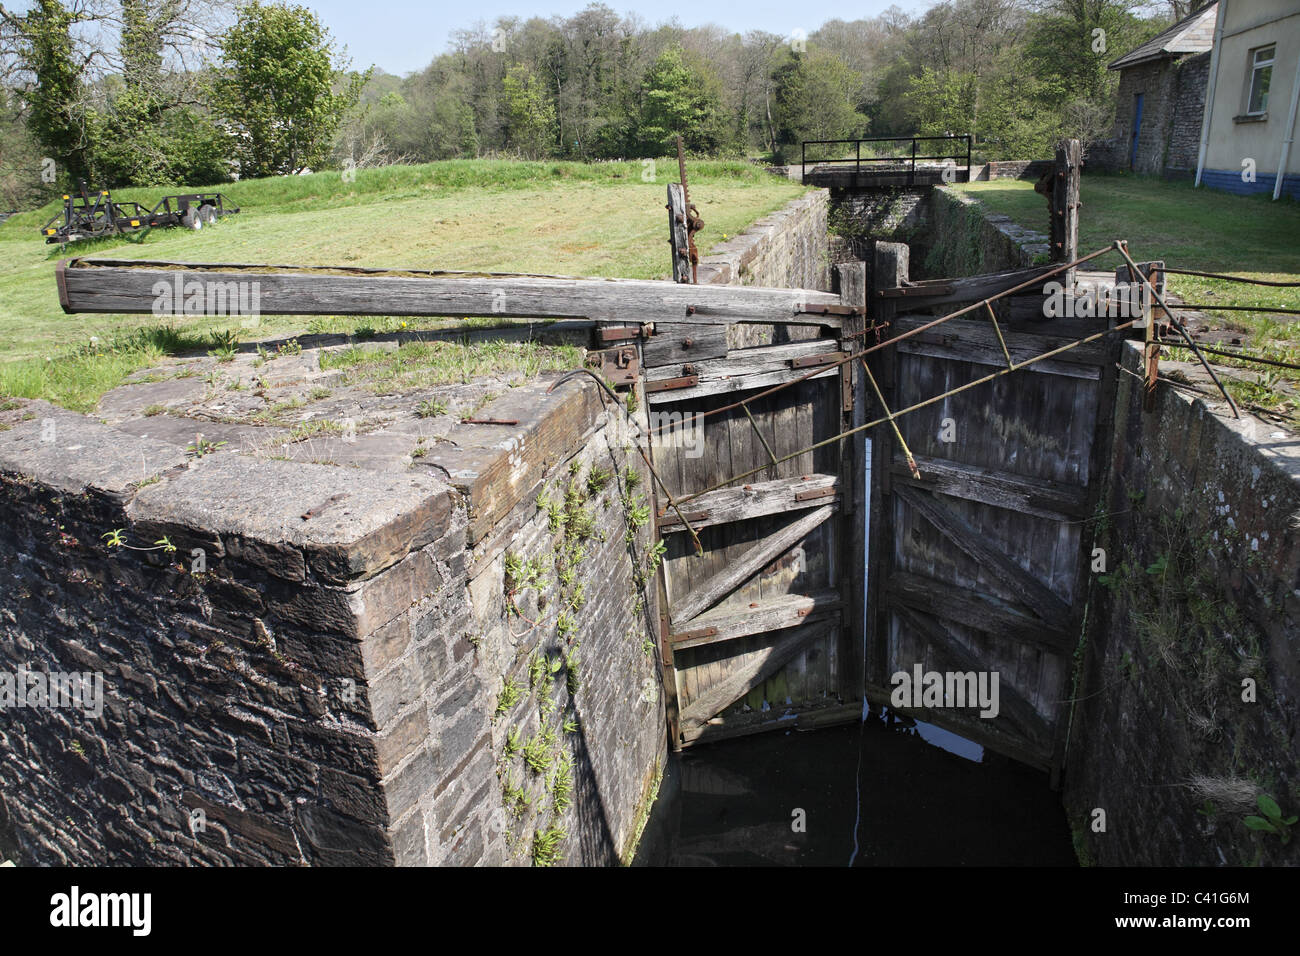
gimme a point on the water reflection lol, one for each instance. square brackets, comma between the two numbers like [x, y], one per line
[926, 797]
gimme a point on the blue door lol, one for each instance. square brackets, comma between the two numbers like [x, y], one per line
[1137, 129]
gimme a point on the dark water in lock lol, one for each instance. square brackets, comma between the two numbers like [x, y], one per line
[912, 793]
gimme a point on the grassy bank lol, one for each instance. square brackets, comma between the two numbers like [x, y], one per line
[603, 219]
[1205, 231]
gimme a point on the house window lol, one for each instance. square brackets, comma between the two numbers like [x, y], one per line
[1261, 71]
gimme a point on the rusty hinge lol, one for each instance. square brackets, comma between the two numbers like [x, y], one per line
[668, 384]
[618, 333]
[692, 635]
[825, 358]
[816, 308]
[620, 366]
[813, 493]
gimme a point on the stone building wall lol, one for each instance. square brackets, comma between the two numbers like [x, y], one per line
[1173, 101]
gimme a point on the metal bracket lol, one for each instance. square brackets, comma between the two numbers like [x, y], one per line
[620, 366]
[692, 635]
[825, 358]
[668, 384]
[617, 333]
[813, 494]
[817, 308]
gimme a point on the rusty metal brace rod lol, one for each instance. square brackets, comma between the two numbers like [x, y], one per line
[919, 405]
[1176, 322]
[699, 548]
[768, 448]
[820, 369]
[907, 452]
[1001, 341]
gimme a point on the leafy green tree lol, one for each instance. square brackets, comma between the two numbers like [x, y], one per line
[57, 117]
[282, 89]
[681, 96]
[529, 114]
[814, 98]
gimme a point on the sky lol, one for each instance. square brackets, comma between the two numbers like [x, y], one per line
[400, 36]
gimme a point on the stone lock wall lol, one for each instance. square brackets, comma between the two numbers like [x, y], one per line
[785, 250]
[305, 664]
[1189, 697]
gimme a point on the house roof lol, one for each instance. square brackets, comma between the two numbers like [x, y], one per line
[1192, 34]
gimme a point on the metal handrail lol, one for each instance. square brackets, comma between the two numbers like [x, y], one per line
[908, 159]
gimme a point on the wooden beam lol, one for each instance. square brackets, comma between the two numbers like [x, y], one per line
[741, 362]
[744, 677]
[851, 569]
[954, 291]
[1065, 205]
[126, 286]
[984, 355]
[683, 342]
[678, 238]
[1036, 496]
[754, 501]
[963, 334]
[726, 624]
[763, 552]
[734, 383]
[956, 657]
[890, 265]
[1036, 595]
[975, 609]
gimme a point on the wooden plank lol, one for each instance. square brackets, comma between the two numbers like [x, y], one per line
[746, 725]
[956, 657]
[1036, 496]
[725, 624]
[739, 362]
[973, 608]
[734, 383]
[678, 237]
[958, 291]
[1037, 596]
[754, 500]
[126, 286]
[709, 593]
[977, 336]
[683, 342]
[993, 357]
[1065, 205]
[851, 569]
[746, 676]
[890, 268]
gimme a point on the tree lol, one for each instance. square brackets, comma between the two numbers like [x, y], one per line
[282, 89]
[57, 116]
[680, 98]
[529, 114]
[814, 98]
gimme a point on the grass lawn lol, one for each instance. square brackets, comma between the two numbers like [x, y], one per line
[604, 220]
[1203, 230]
